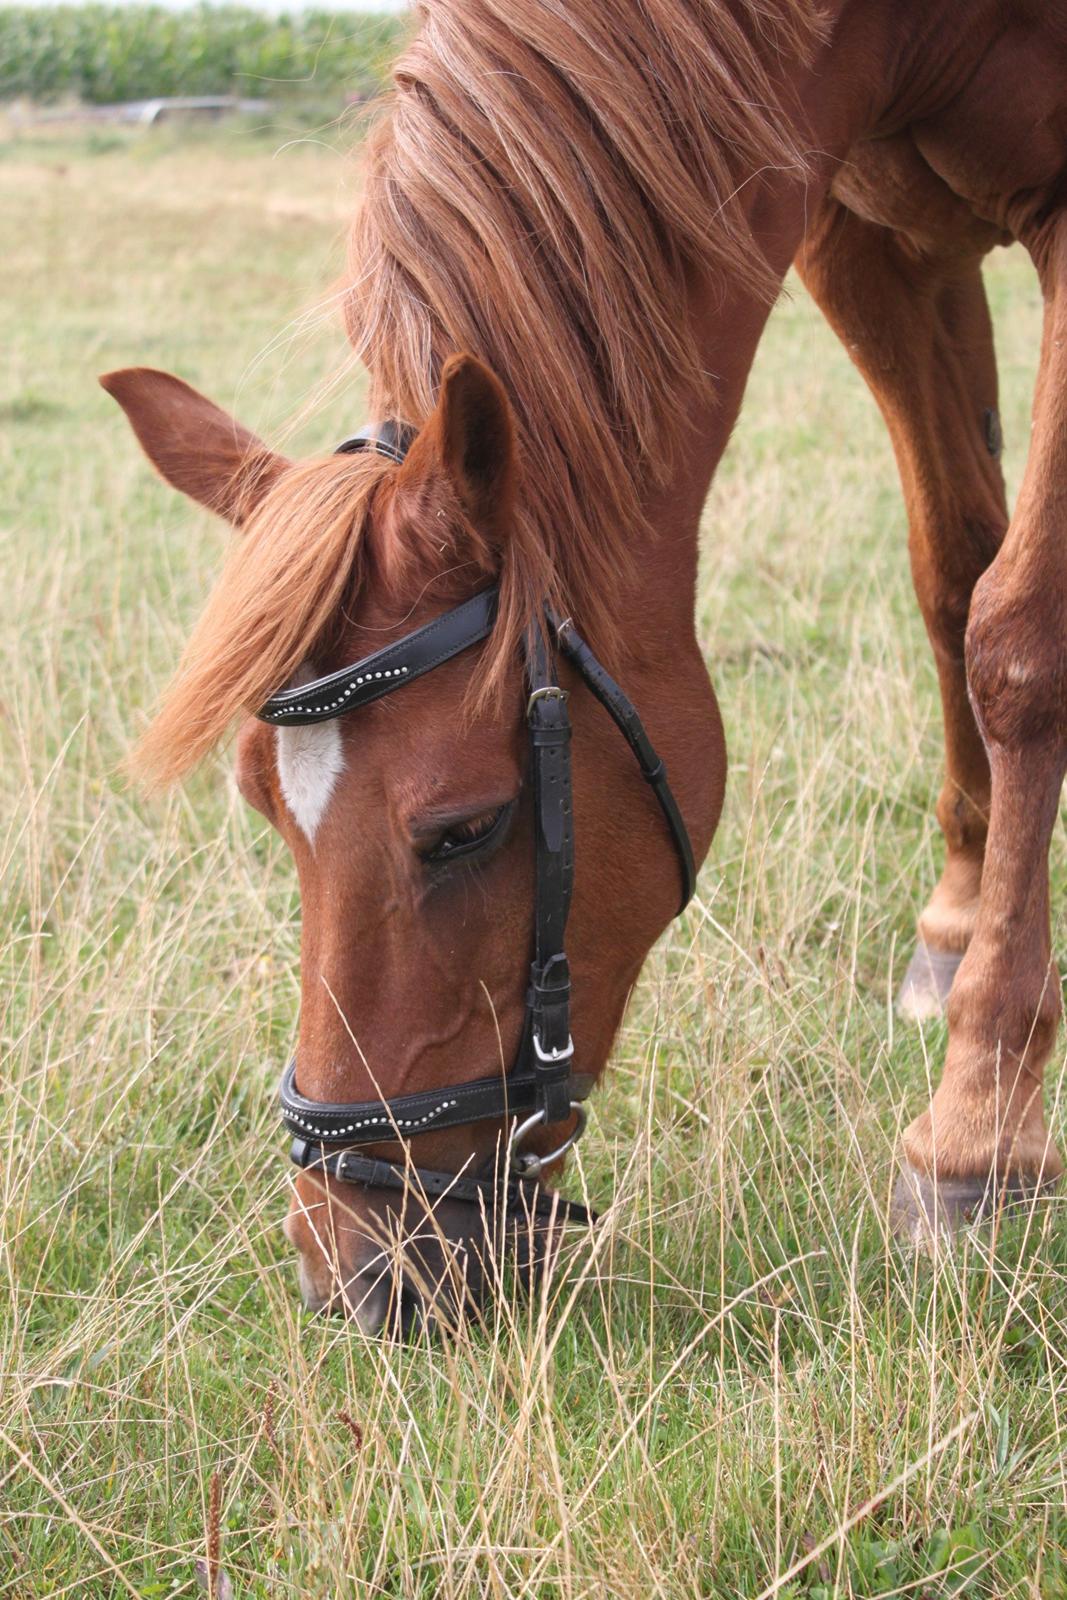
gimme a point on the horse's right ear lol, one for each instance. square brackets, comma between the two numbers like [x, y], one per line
[470, 438]
[192, 444]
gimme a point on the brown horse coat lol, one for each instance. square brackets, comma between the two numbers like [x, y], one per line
[598, 201]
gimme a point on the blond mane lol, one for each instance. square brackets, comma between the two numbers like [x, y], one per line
[544, 179]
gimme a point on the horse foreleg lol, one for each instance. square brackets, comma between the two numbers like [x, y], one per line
[918, 329]
[985, 1133]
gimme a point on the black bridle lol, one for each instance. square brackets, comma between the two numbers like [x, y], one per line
[542, 1087]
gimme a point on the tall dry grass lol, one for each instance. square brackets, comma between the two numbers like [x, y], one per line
[739, 1372]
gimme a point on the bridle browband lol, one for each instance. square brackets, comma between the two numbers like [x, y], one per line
[542, 1087]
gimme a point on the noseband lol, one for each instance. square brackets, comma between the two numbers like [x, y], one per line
[542, 1089]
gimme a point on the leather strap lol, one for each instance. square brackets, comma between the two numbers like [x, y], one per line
[623, 713]
[390, 439]
[378, 1121]
[548, 1049]
[514, 1195]
[379, 674]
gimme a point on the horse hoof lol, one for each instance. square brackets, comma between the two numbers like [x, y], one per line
[924, 1212]
[924, 992]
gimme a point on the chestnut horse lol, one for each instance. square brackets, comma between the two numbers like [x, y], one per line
[596, 203]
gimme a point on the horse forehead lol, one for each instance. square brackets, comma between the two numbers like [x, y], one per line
[414, 760]
[410, 750]
[310, 763]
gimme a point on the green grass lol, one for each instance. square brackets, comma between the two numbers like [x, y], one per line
[742, 1371]
[103, 53]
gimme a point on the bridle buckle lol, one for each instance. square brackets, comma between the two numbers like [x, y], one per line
[550, 691]
[547, 1056]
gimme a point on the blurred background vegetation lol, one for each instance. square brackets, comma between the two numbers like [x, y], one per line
[101, 54]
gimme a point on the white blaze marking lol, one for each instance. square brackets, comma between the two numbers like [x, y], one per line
[310, 761]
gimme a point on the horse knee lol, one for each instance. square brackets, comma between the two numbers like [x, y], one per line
[1016, 656]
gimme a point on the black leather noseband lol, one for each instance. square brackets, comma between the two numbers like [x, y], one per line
[542, 1088]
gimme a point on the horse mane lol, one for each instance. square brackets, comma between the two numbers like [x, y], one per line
[285, 582]
[545, 181]
[548, 179]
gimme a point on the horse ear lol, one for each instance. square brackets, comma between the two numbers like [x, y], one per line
[194, 445]
[472, 436]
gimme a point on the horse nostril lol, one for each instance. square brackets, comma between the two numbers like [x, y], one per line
[410, 1312]
[384, 1303]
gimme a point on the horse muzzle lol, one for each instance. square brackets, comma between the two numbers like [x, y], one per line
[397, 1266]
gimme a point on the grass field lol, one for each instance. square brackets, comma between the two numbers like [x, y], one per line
[741, 1373]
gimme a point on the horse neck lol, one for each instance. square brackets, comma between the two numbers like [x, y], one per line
[834, 106]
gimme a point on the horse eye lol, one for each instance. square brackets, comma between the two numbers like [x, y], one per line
[467, 838]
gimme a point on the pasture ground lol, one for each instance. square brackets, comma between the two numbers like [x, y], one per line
[742, 1364]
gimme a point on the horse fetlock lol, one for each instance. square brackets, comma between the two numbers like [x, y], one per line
[987, 1115]
[948, 921]
[945, 928]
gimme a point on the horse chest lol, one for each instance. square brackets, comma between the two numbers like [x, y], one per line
[982, 153]
[888, 182]
[1000, 144]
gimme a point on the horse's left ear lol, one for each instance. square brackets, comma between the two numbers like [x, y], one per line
[197, 447]
[471, 436]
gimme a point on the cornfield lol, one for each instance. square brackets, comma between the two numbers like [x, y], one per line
[104, 53]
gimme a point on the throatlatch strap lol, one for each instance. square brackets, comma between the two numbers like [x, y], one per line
[623, 713]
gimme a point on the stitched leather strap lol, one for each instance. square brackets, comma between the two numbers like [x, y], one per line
[623, 713]
[390, 439]
[379, 674]
[378, 1121]
[514, 1196]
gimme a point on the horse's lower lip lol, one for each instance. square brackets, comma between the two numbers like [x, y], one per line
[373, 1297]
[314, 1299]
[377, 1310]
[427, 1279]
[364, 1301]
